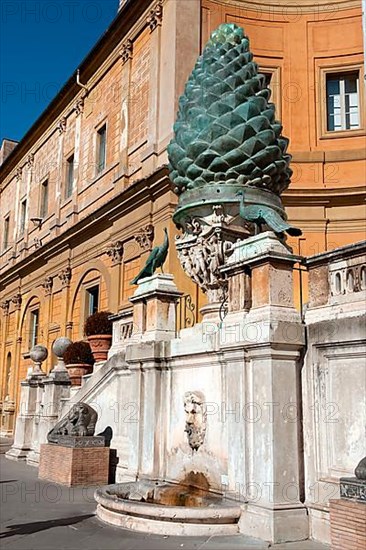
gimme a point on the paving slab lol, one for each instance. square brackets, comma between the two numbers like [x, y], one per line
[40, 515]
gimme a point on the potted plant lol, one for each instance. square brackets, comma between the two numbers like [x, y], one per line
[79, 361]
[98, 329]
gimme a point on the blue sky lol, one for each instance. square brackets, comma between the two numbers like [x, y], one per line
[41, 43]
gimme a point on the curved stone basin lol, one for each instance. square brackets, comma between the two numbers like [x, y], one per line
[166, 508]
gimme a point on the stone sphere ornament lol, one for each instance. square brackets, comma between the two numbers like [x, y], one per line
[38, 354]
[60, 346]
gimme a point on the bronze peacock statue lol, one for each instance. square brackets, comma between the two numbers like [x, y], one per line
[156, 259]
[264, 215]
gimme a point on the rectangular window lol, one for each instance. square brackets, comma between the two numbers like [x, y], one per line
[343, 101]
[101, 148]
[44, 200]
[23, 215]
[69, 176]
[92, 300]
[33, 329]
[6, 232]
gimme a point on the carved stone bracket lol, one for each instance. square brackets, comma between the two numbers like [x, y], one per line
[126, 51]
[145, 237]
[5, 307]
[17, 300]
[65, 277]
[155, 17]
[47, 286]
[79, 106]
[61, 126]
[30, 161]
[115, 252]
[19, 173]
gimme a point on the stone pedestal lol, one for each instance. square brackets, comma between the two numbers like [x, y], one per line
[273, 338]
[72, 466]
[154, 308]
[54, 388]
[24, 423]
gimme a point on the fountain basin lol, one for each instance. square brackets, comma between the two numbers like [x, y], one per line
[167, 509]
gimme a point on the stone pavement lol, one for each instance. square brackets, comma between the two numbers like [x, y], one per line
[37, 515]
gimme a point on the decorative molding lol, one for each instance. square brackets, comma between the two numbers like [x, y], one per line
[17, 300]
[126, 51]
[115, 252]
[65, 277]
[155, 17]
[5, 307]
[79, 106]
[145, 237]
[47, 286]
[61, 126]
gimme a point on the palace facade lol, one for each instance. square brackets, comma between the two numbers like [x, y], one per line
[86, 193]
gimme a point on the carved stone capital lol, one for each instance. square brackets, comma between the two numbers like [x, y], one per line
[61, 126]
[5, 307]
[47, 286]
[126, 51]
[79, 106]
[17, 300]
[145, 237]
[155, 17]
[115, 252]
[65, 277]
[19, 173]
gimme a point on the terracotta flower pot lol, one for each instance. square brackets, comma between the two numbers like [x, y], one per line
[76, 371]
[100, 344]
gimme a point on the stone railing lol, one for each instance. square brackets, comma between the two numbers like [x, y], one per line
[338, 276]
[122, 330]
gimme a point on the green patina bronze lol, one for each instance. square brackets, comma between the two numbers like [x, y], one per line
[226, 134]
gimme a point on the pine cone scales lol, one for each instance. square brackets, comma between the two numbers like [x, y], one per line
[226, 130]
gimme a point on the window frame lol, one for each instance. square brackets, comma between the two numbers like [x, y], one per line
[22, 218]
[325, 71]
[275, 86]
[99, 128]
[88, 294]
[69, 186]
[6, 226]
[33, 337]
[43, 212]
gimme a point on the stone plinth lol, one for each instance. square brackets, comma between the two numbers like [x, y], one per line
[73, 466]
[347, 524]
[154, 304]
[24, 423]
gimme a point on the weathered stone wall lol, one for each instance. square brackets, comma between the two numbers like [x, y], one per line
[334, 378]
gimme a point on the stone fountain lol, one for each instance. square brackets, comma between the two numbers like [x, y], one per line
[197, 461]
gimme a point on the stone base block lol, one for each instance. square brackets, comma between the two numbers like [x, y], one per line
[74, 466]
[274, 525]
[347, 524]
